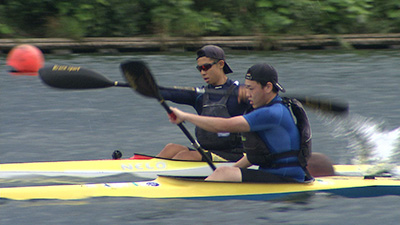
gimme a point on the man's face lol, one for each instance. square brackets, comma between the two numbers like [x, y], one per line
[210, 70]
[256, 94]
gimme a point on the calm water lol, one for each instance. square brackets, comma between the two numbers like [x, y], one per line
[38, 123]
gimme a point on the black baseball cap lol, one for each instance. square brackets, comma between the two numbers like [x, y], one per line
[264, 73]
[215, 52]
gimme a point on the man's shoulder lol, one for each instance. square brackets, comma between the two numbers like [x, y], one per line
[225, 86]
[230, 82]
[270, 110]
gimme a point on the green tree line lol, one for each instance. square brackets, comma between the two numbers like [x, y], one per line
[126, 18]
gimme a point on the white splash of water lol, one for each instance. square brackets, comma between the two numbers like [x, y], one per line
[369, 142]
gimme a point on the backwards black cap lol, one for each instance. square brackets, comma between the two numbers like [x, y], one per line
[215, 52]
[264, 73]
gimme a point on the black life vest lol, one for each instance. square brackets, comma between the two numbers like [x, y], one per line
[258, 152]
[225, 141]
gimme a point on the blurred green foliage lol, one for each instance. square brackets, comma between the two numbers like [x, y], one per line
[125, 18]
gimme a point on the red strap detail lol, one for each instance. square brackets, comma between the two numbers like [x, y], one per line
[141, 157]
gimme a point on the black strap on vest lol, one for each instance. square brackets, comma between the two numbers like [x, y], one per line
[258, 152]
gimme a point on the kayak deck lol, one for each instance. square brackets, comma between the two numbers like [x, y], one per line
[178, 188]
[143, 166]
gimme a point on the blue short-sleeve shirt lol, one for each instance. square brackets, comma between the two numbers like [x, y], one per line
[275, 125]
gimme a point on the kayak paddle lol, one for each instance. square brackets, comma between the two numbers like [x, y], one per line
[139, 77]
[73, 77]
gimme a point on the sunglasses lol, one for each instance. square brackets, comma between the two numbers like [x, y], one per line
[206, 66]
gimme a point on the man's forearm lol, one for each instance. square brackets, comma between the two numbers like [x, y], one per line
[212, 124]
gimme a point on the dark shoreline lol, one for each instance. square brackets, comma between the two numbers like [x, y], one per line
[181, 44]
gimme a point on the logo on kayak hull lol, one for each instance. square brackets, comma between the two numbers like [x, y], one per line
[144, 166]
[153, 184]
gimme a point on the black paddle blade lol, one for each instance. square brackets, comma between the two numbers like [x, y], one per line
[73, 77]
[139, 77]
[325, 105]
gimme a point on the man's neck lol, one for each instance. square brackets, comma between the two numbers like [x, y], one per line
[271, 97]
[221, 81]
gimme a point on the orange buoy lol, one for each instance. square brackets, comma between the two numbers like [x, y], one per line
[25, 59]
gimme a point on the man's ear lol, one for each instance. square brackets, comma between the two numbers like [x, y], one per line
[221, 63]
[268, 87]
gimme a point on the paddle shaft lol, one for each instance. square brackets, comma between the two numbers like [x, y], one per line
[188, 135]
[139, 77]
[314, 103]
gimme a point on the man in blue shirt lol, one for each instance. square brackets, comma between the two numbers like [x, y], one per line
[268, 129]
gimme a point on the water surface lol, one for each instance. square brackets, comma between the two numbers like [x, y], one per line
[39, 123]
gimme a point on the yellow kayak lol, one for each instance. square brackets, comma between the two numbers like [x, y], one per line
[140, 165]
[182, 188]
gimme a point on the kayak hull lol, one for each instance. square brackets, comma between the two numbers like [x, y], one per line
[142, 166]
[179, 188]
